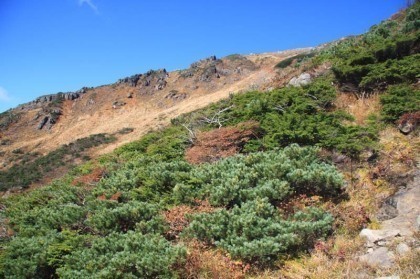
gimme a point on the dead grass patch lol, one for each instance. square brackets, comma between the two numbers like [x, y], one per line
[360, 109]
[221, 143]
[203, 262]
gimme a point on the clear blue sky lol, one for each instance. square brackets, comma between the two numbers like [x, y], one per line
[47, 46]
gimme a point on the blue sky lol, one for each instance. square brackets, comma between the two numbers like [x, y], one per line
[47, 46]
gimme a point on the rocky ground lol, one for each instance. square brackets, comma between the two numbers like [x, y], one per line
[399, 226]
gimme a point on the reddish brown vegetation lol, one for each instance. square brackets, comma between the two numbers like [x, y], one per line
[177, 217]
[298, 203]
[352, 217]
[203, 262]
[90, 179]
[114, 197]
[408, 122]
[221, 143]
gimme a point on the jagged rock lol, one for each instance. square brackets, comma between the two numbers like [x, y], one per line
[131, 81]
[43, 122]
[71, 96]
[160, 84]
[380, 257]
[204, 61]
[378, 237]
[302, 79]
[208, 73]
[402, 249]
[175, 95]
[130, 95]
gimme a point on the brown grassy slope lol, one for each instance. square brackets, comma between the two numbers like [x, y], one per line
[149, 108]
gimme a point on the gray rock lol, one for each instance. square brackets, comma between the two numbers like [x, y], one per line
[43, 122]
[302, 79]
[402, 249]
[418, 223]
[378, 237]
[381, 258]
[131, 81]
[388, 210]
[408, 123]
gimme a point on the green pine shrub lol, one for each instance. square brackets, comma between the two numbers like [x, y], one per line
[276, 175]
[255, 231]
[130, 255]
[110, 216]
[399, 99]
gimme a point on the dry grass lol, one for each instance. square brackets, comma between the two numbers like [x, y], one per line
[360, 109]
[408, 266]
[203, 262]
[400, 153]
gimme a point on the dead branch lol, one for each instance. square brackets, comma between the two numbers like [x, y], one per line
[217, 118]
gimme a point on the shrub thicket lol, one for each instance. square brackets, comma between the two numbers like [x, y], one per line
[255, 231]
[276, 175]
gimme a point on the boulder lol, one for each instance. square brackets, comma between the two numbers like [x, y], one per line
[388, 210]
[381, 258]
[378, 237]
[302, 79]
[402, 249]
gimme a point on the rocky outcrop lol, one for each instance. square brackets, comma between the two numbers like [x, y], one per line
[401, 226]
[53, 98]
[147, 83]
[176, 96]
[49, 117]
[131, 81]
[204, 70]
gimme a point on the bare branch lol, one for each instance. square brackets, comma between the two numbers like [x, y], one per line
[216, 118]
[191, 132]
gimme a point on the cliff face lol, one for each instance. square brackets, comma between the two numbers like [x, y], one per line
[140, 102]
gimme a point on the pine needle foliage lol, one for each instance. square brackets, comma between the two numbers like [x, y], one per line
[255, 231]
[275, 175]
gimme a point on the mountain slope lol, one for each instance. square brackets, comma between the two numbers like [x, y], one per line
[146, 104]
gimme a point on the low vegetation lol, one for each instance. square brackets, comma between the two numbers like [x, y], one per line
[269, 202]
[28, 170]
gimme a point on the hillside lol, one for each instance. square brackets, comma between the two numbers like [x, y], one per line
[142, 102]
[310, 170]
